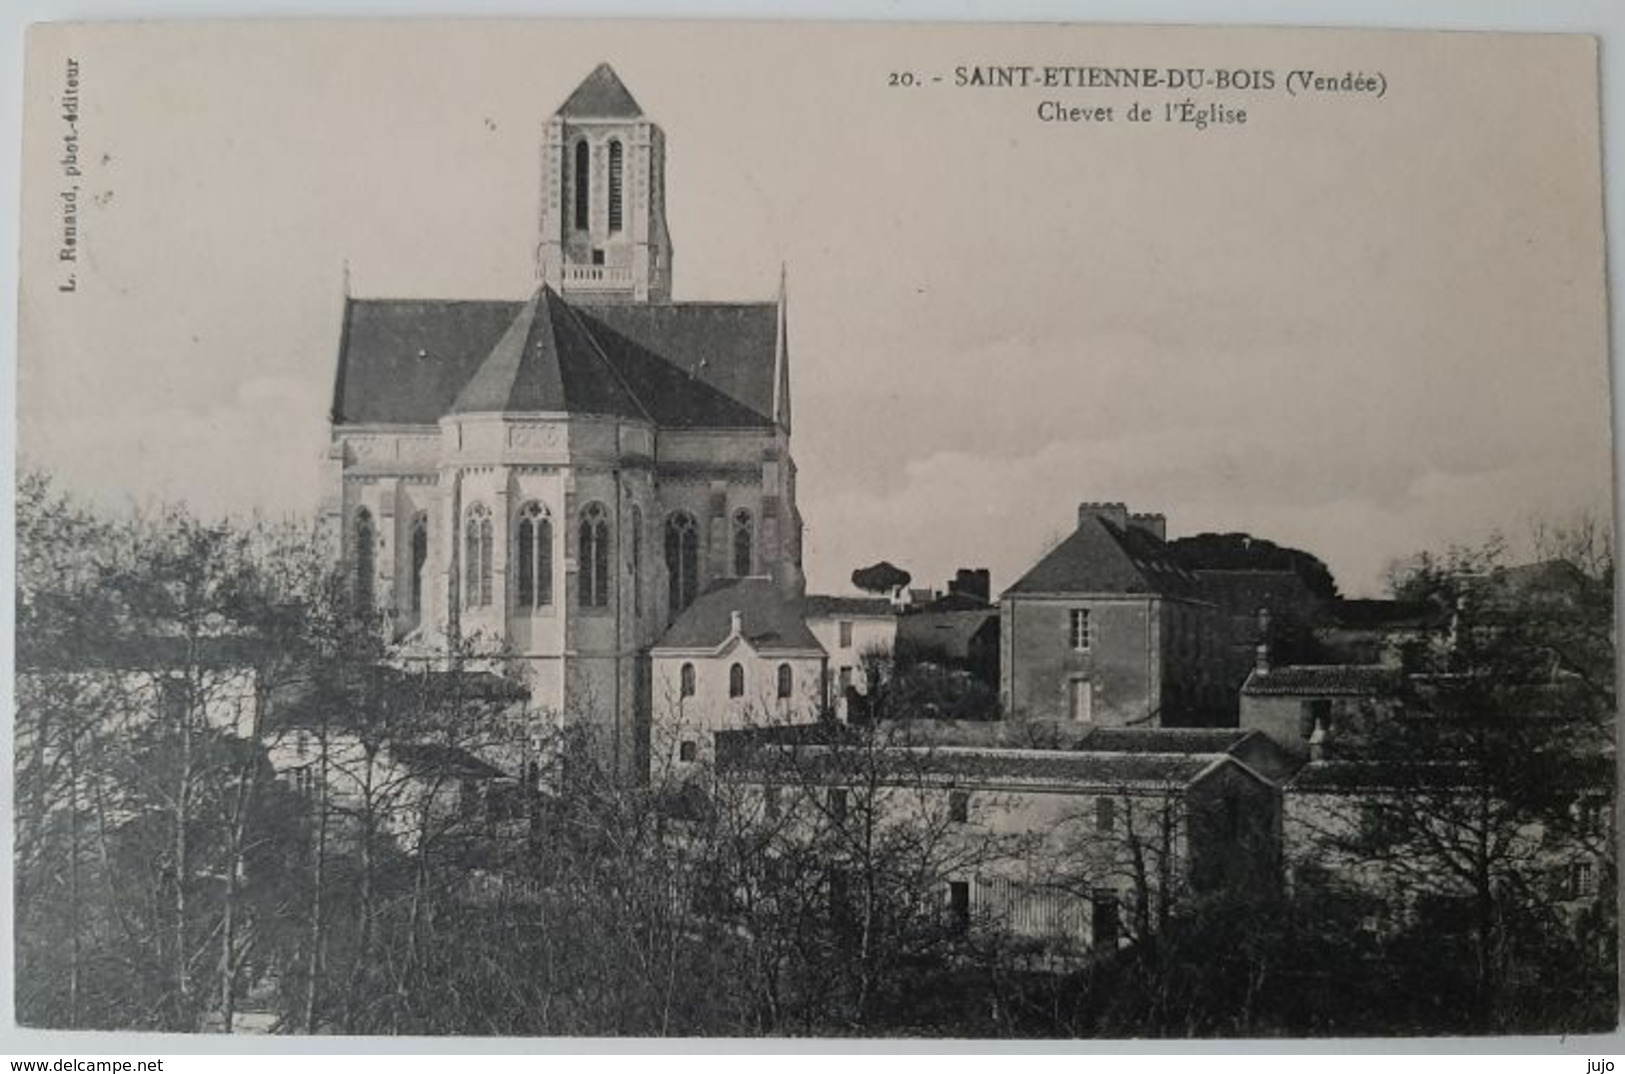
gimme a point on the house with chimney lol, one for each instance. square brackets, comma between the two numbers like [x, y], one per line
[1108, 628]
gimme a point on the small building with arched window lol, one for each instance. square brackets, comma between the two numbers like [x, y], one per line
[740, 656]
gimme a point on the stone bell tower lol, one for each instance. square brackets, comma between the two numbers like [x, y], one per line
[603, 231]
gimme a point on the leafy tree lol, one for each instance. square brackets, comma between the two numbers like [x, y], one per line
[882, 578]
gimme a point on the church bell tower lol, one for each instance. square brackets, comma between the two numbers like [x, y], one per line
[603, 231]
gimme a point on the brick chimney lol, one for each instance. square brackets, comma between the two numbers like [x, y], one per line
[973, 582]
[1155, 524]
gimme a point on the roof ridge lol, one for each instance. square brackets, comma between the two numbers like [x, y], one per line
[503, 361]
[598, 349]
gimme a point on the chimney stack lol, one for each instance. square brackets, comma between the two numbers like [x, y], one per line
[1115, 513]
[976, 583]
[1154, 523]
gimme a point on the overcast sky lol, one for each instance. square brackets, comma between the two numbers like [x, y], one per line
[1359, 326]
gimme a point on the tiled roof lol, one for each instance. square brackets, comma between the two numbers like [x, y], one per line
[1051, 768]
[601, 95]
[823, 607]
[685, 365]
[772, 619]
[1324, 680]
[1101, 557]
[1164, 739]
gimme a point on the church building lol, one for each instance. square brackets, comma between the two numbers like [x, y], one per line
[557, 478]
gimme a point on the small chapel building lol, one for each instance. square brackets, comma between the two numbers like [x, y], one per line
[554, 479]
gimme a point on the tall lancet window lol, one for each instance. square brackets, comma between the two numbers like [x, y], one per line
[594, 557]
[614, 186]
[637, 561]
[420, 559]
[744, 536]
[366, 539]
[682, 559]
[534, 557]
[477, 557]
[583, 183]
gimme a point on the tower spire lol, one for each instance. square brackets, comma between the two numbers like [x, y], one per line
[781, 356]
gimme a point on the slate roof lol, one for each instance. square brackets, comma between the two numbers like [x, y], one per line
[950, 632]
[953, 764]
[823, 607]
[546, 361]
[601, 95]
[773, 621]
[681, 364]
[1324, 680]
[1101, 557]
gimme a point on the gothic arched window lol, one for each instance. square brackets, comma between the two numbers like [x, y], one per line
[686, 680]
[786, 680]
[534, 556]
[477, 557]
[583, 179]
[420, 559]
[744, 536]
[682, 559]
[637, 560]
[736, 680]
[366, 537]
[615, 186]
[594, 556]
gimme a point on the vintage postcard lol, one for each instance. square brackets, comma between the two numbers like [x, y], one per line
[556, 529]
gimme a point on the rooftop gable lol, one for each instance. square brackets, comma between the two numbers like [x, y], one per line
[1102, 557]
[601, 95]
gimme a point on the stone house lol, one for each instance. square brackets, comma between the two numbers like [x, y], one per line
[1108, 628]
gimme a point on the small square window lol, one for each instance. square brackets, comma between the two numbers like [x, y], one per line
[959, 807]
[687, 750]
[598, 257]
